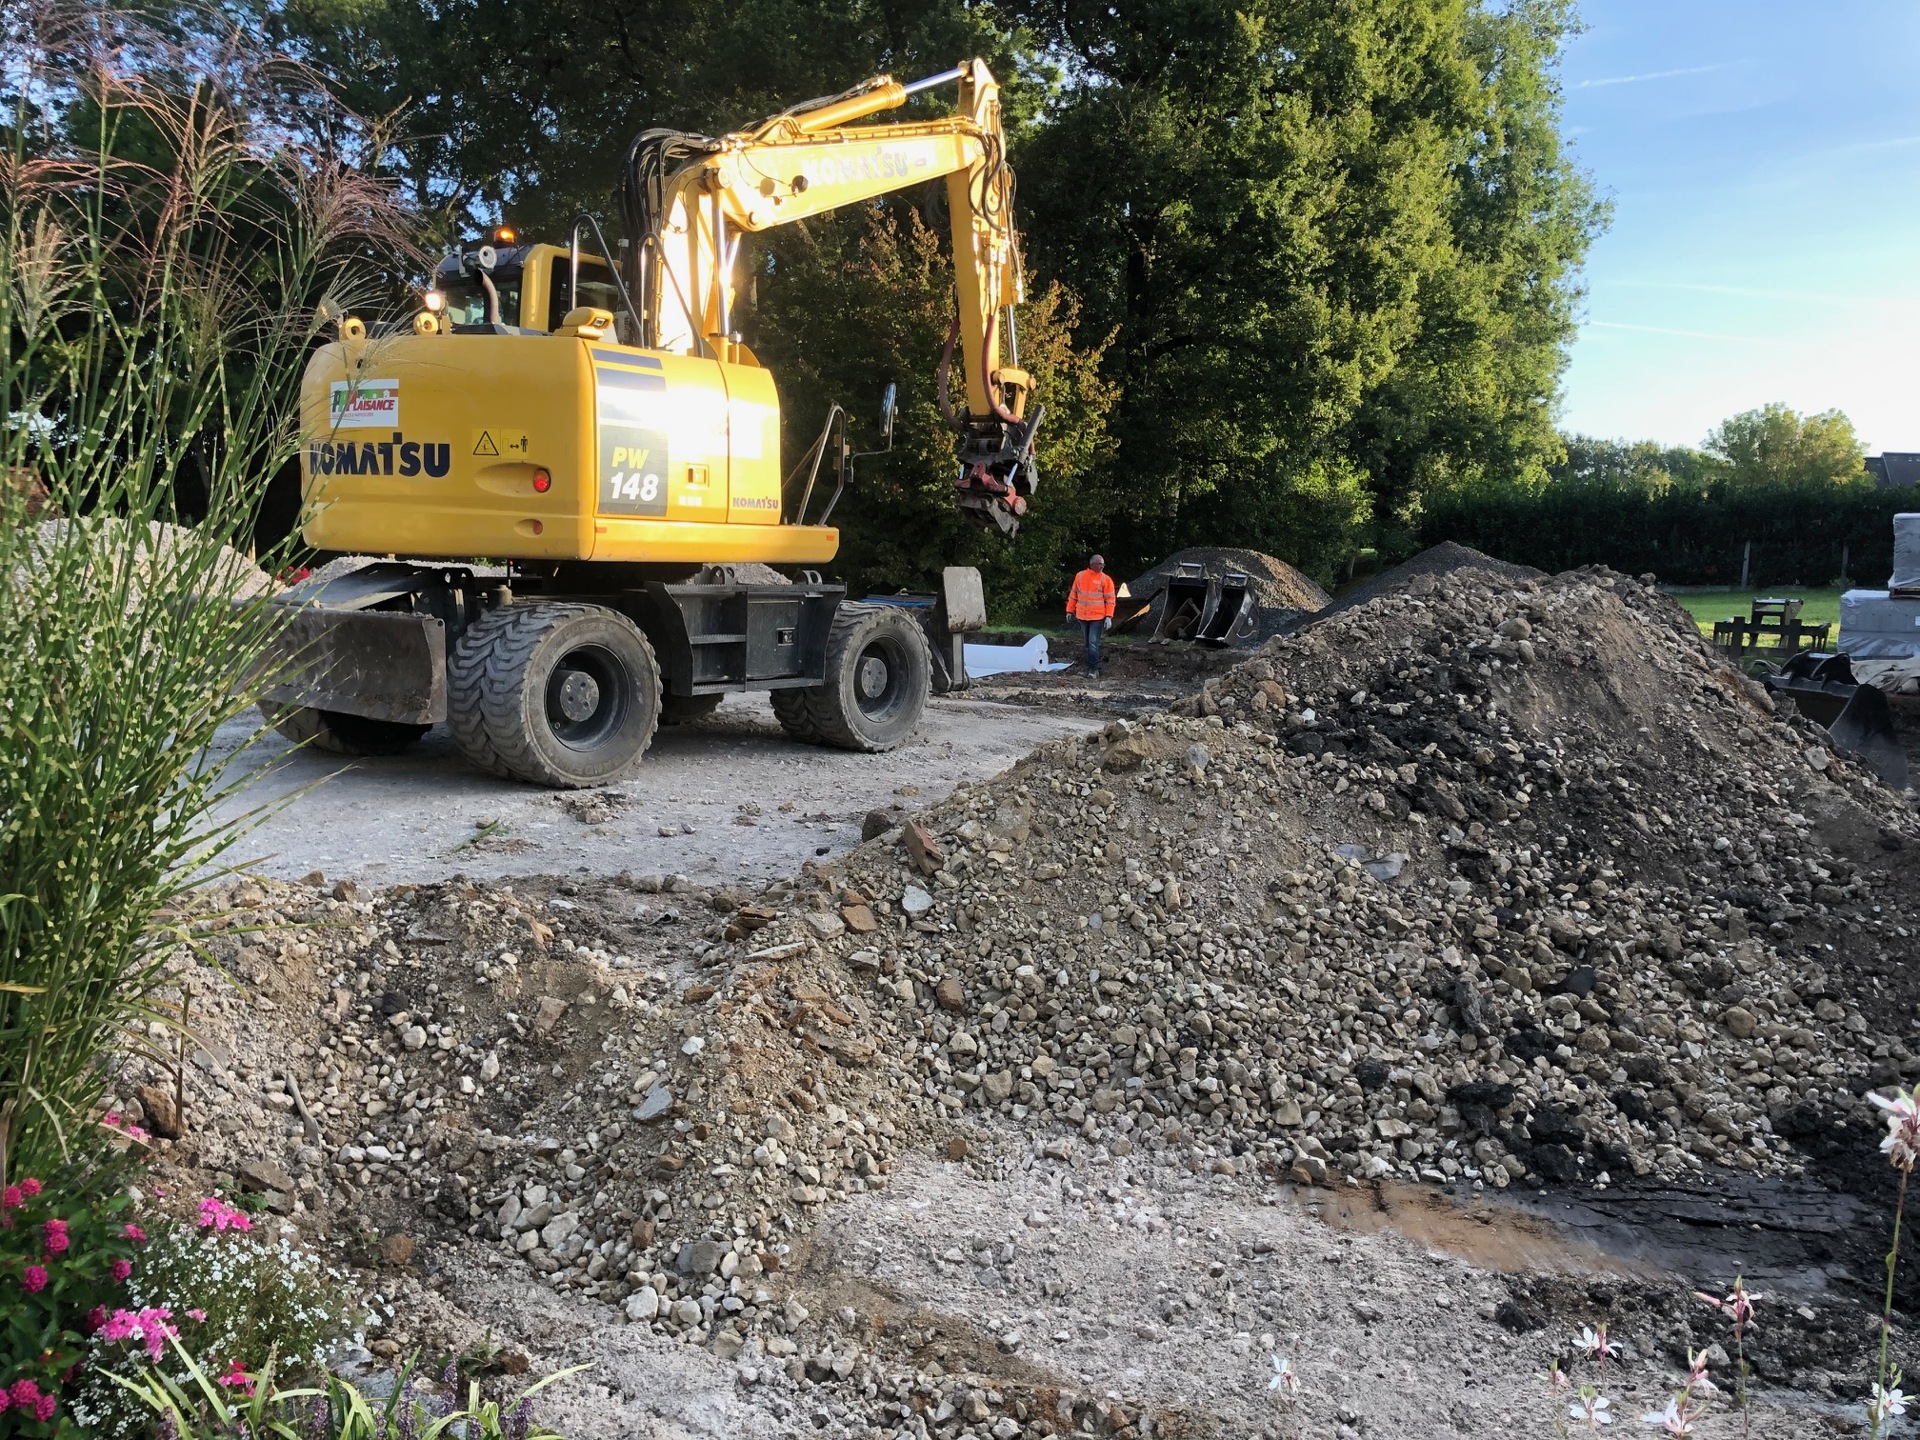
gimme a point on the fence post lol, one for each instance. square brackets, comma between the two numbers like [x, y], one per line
[1845, 580]
[1746, 562]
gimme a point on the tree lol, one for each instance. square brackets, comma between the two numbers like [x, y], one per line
[1776, 447]
[502, 112]
[1338, 244]
[1335, 248]
[1639, 467]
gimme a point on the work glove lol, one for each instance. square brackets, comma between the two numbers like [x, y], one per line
[1106, 625]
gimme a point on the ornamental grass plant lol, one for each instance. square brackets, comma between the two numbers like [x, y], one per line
[180, 213]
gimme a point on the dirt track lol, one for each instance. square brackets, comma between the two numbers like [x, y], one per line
[743, 802]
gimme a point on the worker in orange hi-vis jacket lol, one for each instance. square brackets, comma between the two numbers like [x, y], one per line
[1090, 601]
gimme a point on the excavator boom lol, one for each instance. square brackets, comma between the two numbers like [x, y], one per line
[689, 199]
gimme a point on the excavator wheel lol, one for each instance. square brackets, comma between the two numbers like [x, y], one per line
[875, 690]
[553, 694]
[687, 709]
[339, 733]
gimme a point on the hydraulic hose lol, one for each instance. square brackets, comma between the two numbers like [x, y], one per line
[986, 370]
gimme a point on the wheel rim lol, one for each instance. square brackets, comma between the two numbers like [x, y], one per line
[880, 678]
[588, 696]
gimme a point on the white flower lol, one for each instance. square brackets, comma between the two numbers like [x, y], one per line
[1592, 1408]
[1594, 1343]
[1885, 1405]
[1676, 1419]
[1902, 1145]
[1283, 1378]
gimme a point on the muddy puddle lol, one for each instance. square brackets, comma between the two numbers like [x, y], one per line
[1787, 1237]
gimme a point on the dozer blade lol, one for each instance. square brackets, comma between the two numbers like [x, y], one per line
[1856, 716]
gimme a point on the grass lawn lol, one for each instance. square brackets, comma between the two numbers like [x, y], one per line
[1820, 605]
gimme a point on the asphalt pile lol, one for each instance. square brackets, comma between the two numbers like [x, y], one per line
[1486, 880]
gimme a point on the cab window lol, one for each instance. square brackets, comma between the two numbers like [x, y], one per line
[596, 288]
[467, 302]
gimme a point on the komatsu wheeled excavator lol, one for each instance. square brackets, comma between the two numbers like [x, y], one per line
[589, 421]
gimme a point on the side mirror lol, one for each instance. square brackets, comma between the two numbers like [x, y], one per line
[889, 406]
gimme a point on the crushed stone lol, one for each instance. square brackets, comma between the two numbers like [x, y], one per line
[1486, 882]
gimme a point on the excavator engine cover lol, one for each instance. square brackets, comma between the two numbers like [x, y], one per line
[545, 448]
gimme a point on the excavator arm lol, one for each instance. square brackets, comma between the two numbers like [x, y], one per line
[690, 199]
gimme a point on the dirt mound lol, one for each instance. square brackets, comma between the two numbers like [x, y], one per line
[134, 560]
[1481, 880]
[1435, 561]
[1486, 883]
[1283, 594]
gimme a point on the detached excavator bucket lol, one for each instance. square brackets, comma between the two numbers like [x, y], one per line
[1229, 613]
[1183, 604]
[1857, 716]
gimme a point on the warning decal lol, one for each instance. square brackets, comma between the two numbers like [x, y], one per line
[501, 441]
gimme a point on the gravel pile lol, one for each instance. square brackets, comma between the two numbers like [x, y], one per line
[1486, 881]
[131, 560]
[1436, 562]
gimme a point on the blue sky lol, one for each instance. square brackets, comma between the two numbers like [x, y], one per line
[1763, 159]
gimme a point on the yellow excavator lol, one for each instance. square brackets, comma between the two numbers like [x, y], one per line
[589, 420]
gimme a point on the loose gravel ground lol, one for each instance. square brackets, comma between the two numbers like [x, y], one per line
[1015, 1119]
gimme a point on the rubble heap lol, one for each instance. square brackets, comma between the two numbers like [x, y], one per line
[1482, 880]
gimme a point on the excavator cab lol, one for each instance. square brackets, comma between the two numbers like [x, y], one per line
[534, 286]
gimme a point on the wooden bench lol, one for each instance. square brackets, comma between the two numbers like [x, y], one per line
[1771, 624]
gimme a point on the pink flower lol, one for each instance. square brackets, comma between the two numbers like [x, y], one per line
[148, 1326]
[196, 1314]
[1738, 1305]
[11, 1198]
[43, 1410]
[120, 1270]
[34, 1280]
[96, 1317]
[237, 1378]
[55, 1232]
[216, 1214]
[135, 1234]
[23, 1393]
[29, 1187]
[6, 1401]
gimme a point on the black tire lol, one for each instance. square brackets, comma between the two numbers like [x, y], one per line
[687, 709]
[791, 710]
[553, 694]
[339, 733]
[875, 691]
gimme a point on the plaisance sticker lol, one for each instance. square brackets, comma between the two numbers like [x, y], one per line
[364, 405]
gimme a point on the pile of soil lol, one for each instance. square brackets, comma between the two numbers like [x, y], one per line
[1484, 883]
[1284, 595]
[132, 560]
[1436, 561]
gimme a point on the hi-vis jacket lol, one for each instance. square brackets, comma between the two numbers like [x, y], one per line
[1092, 596]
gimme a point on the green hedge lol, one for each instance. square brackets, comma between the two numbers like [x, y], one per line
[1686, 538]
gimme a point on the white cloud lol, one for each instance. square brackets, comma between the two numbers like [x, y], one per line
[1683, 334]
[1657, 75]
